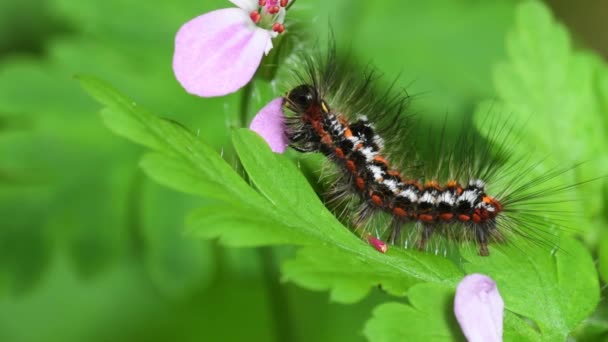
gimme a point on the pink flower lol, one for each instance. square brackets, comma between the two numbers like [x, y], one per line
[269, 124]
[479, 308]
[217, 53]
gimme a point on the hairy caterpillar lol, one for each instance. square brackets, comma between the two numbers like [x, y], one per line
[328, 112]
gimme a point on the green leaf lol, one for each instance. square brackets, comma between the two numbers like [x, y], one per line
[242, 226]
[332, 257]
[292, 212]
[282, 184]
[322, 266]
[350, 277]
[128, 119]
[551, 88]
[603, 257]
[428, 317]
[557, 291]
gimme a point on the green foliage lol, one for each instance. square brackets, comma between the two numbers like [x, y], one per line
[553, 90]
[285, 210]
[429, 317]
[556, 291]
[83, 196]
[285, 200]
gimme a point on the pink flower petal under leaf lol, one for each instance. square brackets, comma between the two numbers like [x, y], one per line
[479, 308]
[378, 244]
[269, 124]
[217, 53]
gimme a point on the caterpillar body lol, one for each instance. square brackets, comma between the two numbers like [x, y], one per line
[329, 109]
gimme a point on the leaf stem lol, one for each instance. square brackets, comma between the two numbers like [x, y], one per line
[290, 4]
[246, 95]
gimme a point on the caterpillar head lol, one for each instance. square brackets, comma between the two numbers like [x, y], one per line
[301, 99]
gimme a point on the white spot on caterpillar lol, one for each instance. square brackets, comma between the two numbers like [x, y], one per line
[446, 197]
[486, 206]
[391, 184]
[427, 197]
[478, 183]
[468, 196]
[377, 171]
[355, 140]
[409, 194]
[369, 153]
[379, 141]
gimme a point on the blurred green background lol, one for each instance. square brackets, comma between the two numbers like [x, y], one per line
[90, 249]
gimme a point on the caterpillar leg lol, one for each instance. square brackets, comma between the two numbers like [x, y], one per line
[396, 225]
[427, 231]
[362, 216]
[481, 237]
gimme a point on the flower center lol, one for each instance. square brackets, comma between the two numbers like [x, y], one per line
[270, 15]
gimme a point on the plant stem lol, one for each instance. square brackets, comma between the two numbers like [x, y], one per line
[136, 241]
[277, 298]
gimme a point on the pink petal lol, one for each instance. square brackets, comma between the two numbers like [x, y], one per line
[269, 123]
[479, 308]
[218, 52]
[378, 244]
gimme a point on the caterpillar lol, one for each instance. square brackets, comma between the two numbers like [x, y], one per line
[328, 111]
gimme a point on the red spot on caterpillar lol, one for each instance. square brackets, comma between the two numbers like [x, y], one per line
[394, 173]
[360, 183]
[425, 218]
[446, 216]
[497, 205]
[476, 217]
[464, 218]
[380, 159]
[339, 153]
[318, 127]
[493, 202]
[350, 165]
[399, 212]
[348, 133]
[378, 244]
[377, 200]
[358, 147]
[326, 139]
